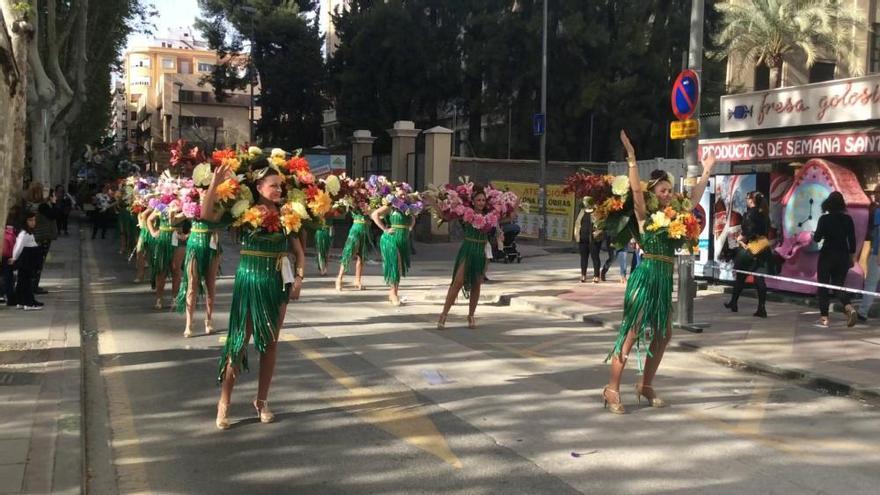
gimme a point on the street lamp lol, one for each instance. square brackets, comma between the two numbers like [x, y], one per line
[251, 12]
[179, 109]
[542, 190]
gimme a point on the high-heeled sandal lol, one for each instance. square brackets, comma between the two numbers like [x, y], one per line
[653, 401]
[338, 285]
[209, 328]
[187, 333]
[472, 322]
[158, 304]
[615, 407]
[441, 322]
[222, 413]
[263, 412]
[394, 300]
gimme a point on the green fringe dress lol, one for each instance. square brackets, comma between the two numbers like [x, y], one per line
[392, 245]
[258, 292]
[322, 245]
[647, 304]
[198, 250]
[358, 241]
[473, 254]
[163, 251]
[145, 241]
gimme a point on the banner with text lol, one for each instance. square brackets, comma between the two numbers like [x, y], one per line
[866, 143]
[560, 209]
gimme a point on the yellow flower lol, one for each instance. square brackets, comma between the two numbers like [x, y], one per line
[620, 185]
[660, 220]
[240, 207]
[277, 161]
[676, 230]
[291, 222]
[202, 175]
[233, 163]
[670, 212]
[227, 190]
[299, 208]
[278, 152]
[254, 151]
[253, 216]
[333, 185]
[320, 204]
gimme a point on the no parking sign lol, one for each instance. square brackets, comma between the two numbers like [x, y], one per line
[685, 94]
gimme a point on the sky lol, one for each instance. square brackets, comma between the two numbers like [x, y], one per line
[172, 13]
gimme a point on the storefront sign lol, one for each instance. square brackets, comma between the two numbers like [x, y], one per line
[560, 209]
[845, 100]
[865, 143]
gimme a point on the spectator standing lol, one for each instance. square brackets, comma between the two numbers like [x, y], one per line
[26, 257]
[583, 234]
[103, 202]
[873, 276]
[13, 219]
[64, 204]
[837, 234]
[37, 201]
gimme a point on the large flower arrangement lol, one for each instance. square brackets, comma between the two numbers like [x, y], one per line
[184, 158]
[615, 215]
[354, 196]
[453, 202]
[383, 192]
[597, 187]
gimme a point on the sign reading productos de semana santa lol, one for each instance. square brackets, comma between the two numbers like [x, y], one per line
[865, 143]
[843, 100]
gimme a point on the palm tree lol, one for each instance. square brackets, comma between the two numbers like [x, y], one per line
[768, 31]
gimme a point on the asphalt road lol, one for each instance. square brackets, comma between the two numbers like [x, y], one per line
[373, 399]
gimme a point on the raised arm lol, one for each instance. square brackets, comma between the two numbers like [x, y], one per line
[210, 212]
[700, 186]
[635, 182]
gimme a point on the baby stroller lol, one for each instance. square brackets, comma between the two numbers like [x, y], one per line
[508, 253]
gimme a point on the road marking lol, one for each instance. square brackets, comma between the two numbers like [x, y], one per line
[131, 476]
[398, 412]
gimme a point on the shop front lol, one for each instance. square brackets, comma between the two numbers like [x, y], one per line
[796, 145]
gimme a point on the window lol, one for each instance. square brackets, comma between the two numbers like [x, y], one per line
[875, 48]
[205, 67]
[132, 133]
[168, 63]
[206, 97]
[186, 96]
[134, 116]
[141, 62]
[184, 66]
[189, 121]
[762, 77]
[822, 71]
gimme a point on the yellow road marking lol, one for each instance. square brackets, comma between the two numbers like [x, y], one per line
[131, 475]
[398, 412]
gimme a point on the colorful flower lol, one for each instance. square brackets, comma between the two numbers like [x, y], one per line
[227, 190]
[620, 185]
[677, 229]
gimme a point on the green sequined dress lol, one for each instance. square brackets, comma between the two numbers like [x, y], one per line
[322, 245]
[257, 293]
[163, 252]
[394, 245]
[200, 252]
[358, 241]
[473, 254]
[647, 304]
[145, 241]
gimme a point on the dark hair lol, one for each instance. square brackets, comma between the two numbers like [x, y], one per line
[13, 217]
[27, 216]
[834, 203]
[476, 191]
[657, 176]
[260, 164]
[760, 201]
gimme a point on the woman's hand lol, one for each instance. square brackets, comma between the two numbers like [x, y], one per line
[297, 288]
[708, 163]
[389, 230]
[627, 145]
[221, 173]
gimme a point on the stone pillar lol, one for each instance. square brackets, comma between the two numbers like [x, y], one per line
[403, 142]
[361, 146]
[438, 157]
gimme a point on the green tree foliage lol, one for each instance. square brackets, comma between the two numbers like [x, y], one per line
[610, 61]
[285, 47]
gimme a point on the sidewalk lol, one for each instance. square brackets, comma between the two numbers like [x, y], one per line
[40, 447]
[788, 344]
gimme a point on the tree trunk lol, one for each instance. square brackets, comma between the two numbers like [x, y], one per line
[777, 75]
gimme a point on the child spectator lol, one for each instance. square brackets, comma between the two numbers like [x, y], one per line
[26, 257]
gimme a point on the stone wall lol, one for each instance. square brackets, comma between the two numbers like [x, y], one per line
[483, 170]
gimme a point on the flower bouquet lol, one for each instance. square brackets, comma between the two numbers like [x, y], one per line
[594, 186]
[453, 202]
[184, 158]
[354, 196]
[384, 193]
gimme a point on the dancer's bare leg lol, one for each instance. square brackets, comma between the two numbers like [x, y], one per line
[176, 268]
[192, 291]
[211, 292]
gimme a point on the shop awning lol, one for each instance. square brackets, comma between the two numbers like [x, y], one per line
[861, 142]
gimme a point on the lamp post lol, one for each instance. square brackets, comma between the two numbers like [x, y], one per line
[251, 12]
[179, 109]
[542, 190]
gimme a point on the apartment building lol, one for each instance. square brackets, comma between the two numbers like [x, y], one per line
[168, 97]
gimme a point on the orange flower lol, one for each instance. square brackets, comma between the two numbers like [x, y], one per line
[320, 204]
[291, 222]
[669, 212]
[677, 229]
[227, 190]
[254, 216]
[298, 164]
[615, 204]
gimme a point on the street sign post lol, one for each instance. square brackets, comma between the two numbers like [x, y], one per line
[685, 94]
[538, 124]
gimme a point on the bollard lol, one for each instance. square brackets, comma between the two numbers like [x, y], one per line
[687, 292]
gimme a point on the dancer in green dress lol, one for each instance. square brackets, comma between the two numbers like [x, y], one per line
[470, 264]
[647, 305]
[168, 251]
[356, 246]
[201, 266]
[323, 241]
[394, 244]
[144, 249]
[259, 294]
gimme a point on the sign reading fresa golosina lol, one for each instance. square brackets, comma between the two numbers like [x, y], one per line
[843, 100]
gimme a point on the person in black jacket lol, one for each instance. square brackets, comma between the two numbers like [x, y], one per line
[837, 234]
[583, 234]
[753, 254]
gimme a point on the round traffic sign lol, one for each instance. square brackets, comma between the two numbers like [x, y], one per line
[685, 93]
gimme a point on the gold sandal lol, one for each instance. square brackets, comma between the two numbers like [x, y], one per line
[616, 407]
[222, 413]
[653, 401]
[263, 412]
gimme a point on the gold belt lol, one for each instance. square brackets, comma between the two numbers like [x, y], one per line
[399, 226]
[167, 229]
[659, 257]
[360, 221]
[198, 230]
[279, 257]
[480, 241]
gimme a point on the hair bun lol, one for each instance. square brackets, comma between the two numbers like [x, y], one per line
[258, 163]
[658, 174]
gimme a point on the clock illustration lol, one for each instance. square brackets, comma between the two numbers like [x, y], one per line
[801, 208]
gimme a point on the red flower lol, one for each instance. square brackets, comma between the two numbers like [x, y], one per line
[271, 221]
[218, 156]
[311, 192]
[298, 164]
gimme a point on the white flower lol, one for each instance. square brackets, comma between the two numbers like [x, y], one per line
[333, 185]
[278, 152]
[299, 209]
[240, 207]
[660, 219]
[202, 175]
[620, 185]
[296, 195]
[255, 151]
